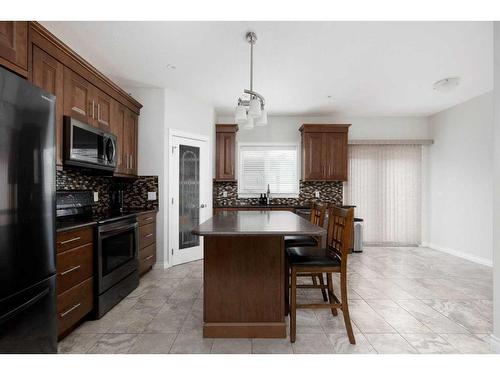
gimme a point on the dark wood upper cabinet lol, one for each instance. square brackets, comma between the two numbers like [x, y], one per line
[324, 152]
[78, 98]
[48, 74]
[117, 128]
[225, 152]
[14, 46]
[103, 110]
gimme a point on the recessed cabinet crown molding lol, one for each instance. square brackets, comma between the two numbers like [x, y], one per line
[225, 145]
[324, 152]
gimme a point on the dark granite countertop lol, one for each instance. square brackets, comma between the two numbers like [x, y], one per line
[262, 206]
[255, 223]
[79, 222]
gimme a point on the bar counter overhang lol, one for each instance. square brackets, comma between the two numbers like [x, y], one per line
[244, 272]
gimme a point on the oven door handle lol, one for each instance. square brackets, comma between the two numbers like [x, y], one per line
[114, 231]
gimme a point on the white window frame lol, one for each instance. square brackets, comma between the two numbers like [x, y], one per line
[267, 144]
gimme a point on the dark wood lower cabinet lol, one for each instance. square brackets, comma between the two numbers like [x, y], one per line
[147, 241]
[73, 305]
[74, 265]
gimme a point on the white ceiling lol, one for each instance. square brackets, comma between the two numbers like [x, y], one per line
[368, 68]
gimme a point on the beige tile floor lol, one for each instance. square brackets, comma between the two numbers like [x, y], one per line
[402, 300]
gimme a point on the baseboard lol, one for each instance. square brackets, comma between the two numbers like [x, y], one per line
[460, 254]
[495, 344]
[161, 266]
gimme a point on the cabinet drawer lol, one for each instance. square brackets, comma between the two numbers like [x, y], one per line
[147, 251]
[147, 235]
[146, 264]
[146, 218]
[74, 238]
[74, 304]
[74, 266]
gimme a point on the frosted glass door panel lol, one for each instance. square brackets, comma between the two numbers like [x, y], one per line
[189, 195]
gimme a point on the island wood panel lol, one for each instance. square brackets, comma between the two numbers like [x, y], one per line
[243, 292]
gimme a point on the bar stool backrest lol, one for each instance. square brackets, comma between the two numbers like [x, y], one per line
[340, 225]
[317, 216]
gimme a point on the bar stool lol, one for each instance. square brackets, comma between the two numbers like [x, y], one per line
[332, 259]
[316, 217]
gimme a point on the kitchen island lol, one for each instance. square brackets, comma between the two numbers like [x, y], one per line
[244, 271]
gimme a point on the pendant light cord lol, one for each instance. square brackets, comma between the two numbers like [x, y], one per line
[251, 63]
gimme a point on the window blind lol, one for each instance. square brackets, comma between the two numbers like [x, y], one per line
[260, 165]
[384, 183]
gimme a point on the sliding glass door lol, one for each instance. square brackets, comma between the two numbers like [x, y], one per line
[385, 184]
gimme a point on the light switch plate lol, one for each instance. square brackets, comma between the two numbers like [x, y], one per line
[151, 195]
[316, 194]
[224, 194]
[96, 196]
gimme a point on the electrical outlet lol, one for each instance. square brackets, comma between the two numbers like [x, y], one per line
[224, 194]
[96, 196]
[151, 195]
[316, 194]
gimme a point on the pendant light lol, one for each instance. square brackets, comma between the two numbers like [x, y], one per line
[251, 111]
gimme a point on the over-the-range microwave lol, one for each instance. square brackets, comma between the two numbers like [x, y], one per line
[86, 146]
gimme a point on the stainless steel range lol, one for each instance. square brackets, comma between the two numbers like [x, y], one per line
[117, 243]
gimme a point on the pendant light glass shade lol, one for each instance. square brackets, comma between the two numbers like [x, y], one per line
[262, 120]
[248, 124]
[240, 116]
[254, 108]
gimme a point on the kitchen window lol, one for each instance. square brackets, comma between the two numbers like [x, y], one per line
[273, 164]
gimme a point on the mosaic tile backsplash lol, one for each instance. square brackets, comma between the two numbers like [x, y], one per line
[329, 192]
[135, 190]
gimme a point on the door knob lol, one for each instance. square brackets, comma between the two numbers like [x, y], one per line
[203, 205]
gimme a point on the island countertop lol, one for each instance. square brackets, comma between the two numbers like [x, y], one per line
[257, 223]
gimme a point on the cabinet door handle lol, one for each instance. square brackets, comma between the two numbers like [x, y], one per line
[93, 109]
[98, 111]
[70, 270]
[149, 257]
[148, 218]
[148, 235]
[70, 240]
[70, 310]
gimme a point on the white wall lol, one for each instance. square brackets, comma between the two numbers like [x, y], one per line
[286, 128]
[459, 180]
[165, 109]
[496, 194]
[151, 159]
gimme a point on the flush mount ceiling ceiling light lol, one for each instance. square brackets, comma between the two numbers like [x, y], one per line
[446, 84]
[252, 110]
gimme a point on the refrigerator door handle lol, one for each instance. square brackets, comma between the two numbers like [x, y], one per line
[19, 309]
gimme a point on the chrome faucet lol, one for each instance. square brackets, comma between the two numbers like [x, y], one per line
[268, 195]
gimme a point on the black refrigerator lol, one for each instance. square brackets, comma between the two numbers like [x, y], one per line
[27, 217]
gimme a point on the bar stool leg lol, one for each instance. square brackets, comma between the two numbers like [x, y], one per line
[330, 292]
[287, 287]
[345, 307]
[293, 306]
[322, 283]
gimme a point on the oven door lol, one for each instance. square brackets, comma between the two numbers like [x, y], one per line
[117, 252]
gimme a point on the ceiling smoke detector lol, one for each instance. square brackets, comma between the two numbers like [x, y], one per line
[446, 84]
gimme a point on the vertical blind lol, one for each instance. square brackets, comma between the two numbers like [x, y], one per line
[275, 165]
[385, 184]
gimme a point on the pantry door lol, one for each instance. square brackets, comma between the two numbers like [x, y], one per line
[189, 193]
